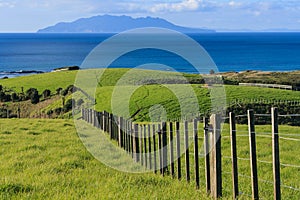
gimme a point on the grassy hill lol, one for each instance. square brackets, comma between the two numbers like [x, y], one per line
[45, 159]
[152, 88]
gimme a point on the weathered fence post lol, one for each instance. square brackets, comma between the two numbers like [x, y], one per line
[196, 153]
[90, 116]
[206, 153]
[186, 146]
[160, 150]
[171, 142]
[275, 152]
[104, 121]
[235, 186]
[216, 159]
[164, 147]
[154, 148]
[131, 136]
[145, 146]
[94, 112]
[141, 145]
[110, 127]
[253, 159]
[120, 132]
[177, 128]
[136, 148]
[149, 141]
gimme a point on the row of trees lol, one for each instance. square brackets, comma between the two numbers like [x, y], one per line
[264, 108]
[32, 94]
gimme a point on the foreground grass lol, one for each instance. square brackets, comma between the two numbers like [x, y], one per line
[44, 159]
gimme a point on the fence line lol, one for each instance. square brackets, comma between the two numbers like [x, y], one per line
[155, 145]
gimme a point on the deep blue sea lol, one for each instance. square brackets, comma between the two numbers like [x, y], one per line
[230, 52]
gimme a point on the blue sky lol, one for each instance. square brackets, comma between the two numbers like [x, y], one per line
[31, 15]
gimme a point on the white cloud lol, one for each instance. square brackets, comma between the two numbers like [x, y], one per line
[7, 4]
[185, 5]
[234, 4]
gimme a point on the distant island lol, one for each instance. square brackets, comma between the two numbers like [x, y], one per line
[115, 24]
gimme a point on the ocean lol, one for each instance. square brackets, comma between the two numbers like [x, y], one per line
[23, 52]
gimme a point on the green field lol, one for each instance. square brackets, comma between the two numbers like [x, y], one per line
[146, 93]
[45, 159]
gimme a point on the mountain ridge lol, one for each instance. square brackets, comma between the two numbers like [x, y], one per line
[115, 24]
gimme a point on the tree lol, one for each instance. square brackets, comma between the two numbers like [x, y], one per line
[64, 92]
[211, 71]
[58, 90]
[57, 111]
[68, 105]
[46, 94]
[35, 97]
[15, 97]
[30, 92]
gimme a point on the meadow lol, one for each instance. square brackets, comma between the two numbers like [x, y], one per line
[45, 159]
[150, 88]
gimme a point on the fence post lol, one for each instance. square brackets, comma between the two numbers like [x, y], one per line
[110, 125]
[171, 142]
[275, 152]
[136, 148]
[131, 131]
[186, 146]
[91, 116]
[104, 121]
[177, 128]
[206, 153]
[149, 141]
[235, 185]
[196, 153]
[141, 145]
[160, 150]
[154, 148]
[145, 146]
[253, 159]
[164, 147]
[88, 115]
[94, 117]
[216, 159]
[120, 132]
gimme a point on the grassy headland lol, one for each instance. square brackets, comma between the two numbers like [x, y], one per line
[147, 94]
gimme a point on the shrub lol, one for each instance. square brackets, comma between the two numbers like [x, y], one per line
[64, 92]
[15, 97]
[46, 94]
[68, 105]
[58, 111]
[58, 91]
[49, 112]
[35, 97]
[30, 92]
[5, 97]
[80, 102]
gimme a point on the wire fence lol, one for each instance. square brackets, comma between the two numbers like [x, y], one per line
[184, 142]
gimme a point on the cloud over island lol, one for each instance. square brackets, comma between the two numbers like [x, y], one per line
[30, 15]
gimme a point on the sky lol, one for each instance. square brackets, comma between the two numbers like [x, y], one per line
[221, 15]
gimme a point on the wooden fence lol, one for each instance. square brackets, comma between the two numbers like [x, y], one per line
[156, 145]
